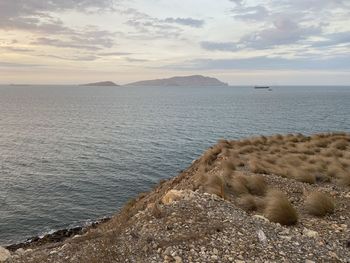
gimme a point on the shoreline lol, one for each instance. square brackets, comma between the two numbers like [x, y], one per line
[56, 236]
[280, 198]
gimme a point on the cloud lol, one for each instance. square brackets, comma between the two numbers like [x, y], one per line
[219, 46]
[287, 22]
[36, 16]
[333, 39]
[303, 5]
[118, 54]
[266, 63]
[185, 21]
[136, 60]
[253, 13]
[88, 40]
[16, 49]
[282, 32]
[73, 58]
[16, 8]
[18, 65]
[147, 27]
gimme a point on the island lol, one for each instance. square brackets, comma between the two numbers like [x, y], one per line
[101, 84]
[181, 81]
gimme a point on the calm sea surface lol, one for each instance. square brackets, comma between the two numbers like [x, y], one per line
[69, 154]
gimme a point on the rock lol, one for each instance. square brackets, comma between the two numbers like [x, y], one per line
[215, 251]
[309, 261]
[4, 254]
[52, 252]
[261, 217]
[262, 237]
[214, 257]
[171, 196]
[178, 259]
[310, 233]
[288, 238]
[167, 251]
[334, 255]
[20, 251]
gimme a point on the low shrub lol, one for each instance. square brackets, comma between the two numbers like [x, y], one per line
[256, 185]
[250, 203]
[319, 204]
[279, 210]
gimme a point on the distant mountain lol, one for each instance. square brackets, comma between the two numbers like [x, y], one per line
[196, 80]
[100, 84]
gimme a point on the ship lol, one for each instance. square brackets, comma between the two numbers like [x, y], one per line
[261, 87]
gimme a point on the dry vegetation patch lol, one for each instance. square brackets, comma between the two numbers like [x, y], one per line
[321, 158]
[279, 210]
[319, 204]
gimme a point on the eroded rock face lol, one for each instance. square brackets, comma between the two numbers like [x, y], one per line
[171, 196]
[4, 254]
[176, 195]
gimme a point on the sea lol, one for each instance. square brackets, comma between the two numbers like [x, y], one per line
[73, 154]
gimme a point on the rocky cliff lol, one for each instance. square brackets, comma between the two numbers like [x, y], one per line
[263, 199]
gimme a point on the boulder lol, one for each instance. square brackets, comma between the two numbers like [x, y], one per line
[4, 254]
[171, 196]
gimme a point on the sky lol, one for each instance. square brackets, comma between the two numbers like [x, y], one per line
[242, 42]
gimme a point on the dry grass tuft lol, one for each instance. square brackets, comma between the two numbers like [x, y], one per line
[240, 184]
[228, 167]
[237, 184]
[319, 204]
[256, 185]
[156, 210]
[306, 178]
[340, 144]
[279, 210]
[344, 180]
[258, 166]
[247, 149]
[250, 203]
[214, 184]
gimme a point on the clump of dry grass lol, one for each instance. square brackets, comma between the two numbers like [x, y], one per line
[256, 185]
[340, 144]
[240, 184]
[258, 165]
[305, 177]
[237, 184]
[247, 149]
[242, 143]
[213, 184]
[279, 210]
[156, 210]
[270, 158]
[319, 204]
[344, 180]
[336, 170]
[250, 203]
[228, 167]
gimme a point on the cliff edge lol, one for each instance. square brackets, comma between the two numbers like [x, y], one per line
[262, 199]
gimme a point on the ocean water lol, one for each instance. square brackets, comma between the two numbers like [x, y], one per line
[71, 154]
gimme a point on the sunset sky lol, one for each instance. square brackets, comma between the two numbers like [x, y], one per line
[248, 42]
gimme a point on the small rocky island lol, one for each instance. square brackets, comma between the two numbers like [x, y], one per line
[184, 81]
[282, 198]
[101, 84]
